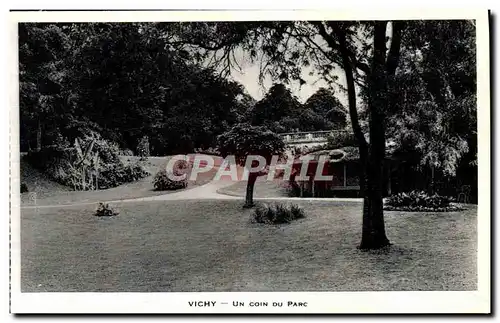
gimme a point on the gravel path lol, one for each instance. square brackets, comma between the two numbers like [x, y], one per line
[204, 192]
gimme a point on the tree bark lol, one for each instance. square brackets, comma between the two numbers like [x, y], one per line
[252, 178]
[373, 232]
[353, 112]
[371, 160]
[382, 72]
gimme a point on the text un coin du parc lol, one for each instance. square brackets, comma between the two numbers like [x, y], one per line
[249, 304]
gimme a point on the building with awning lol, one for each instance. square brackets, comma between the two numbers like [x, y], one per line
[343, 165]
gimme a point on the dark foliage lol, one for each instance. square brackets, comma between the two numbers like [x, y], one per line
[281, 112]
[339, 139]
[243, 140]
[75, 166]
[162, 182]
[210, 151]
[24, 188]
[143, 147]
[277, 213]
[124, 81]
[121, 174]
[420, 201]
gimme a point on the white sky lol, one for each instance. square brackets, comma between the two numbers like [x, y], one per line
[249, 77]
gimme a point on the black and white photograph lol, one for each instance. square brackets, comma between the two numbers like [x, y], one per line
[255, 163]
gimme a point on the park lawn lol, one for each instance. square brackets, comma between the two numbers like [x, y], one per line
[205, 245]
[50, 193]
[263, 188]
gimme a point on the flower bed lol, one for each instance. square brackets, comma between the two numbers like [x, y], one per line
[419, 201]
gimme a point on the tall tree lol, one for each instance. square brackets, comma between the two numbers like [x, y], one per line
[363, 51]
[244, 140]
[42, 50]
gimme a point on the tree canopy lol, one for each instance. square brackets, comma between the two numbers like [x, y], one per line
[244, 140]
[123, 81]
[280, 111]
[380, 64]
[436, 94]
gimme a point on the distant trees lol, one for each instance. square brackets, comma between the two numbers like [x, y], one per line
[326, 106]
[280, 111]
[277, 104]
[244, 140]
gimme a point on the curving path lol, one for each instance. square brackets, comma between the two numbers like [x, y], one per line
[208, 191]
[203, 192]
[213, 190]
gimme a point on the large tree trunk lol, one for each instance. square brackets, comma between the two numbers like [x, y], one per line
[370, 177]
[382, 71]
[373, 232]
[372, 154]
[252, 178]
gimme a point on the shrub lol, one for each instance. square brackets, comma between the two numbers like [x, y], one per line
[277, 213]
[103, 209]
[143, 147]
[162, 182]
[180, 167]
[338, 139]
[420, 201]
[90, 163]
[134, 172]
[126, 152]
[24, 188]
[121, 174]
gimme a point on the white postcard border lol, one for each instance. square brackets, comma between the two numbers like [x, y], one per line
[318, 302]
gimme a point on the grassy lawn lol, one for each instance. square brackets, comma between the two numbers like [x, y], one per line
[263, 188]
[193, 246]
[50, 193]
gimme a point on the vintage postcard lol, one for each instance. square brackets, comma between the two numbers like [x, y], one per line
[250, 161]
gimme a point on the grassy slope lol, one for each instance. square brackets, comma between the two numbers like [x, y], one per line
[37, 181]
[51, 193]
[212, 246]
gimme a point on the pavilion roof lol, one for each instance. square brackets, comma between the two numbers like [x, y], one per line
[343, 154]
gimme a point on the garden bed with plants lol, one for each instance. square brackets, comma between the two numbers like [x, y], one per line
[419, 201]
[90, 163]
[277, 213]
